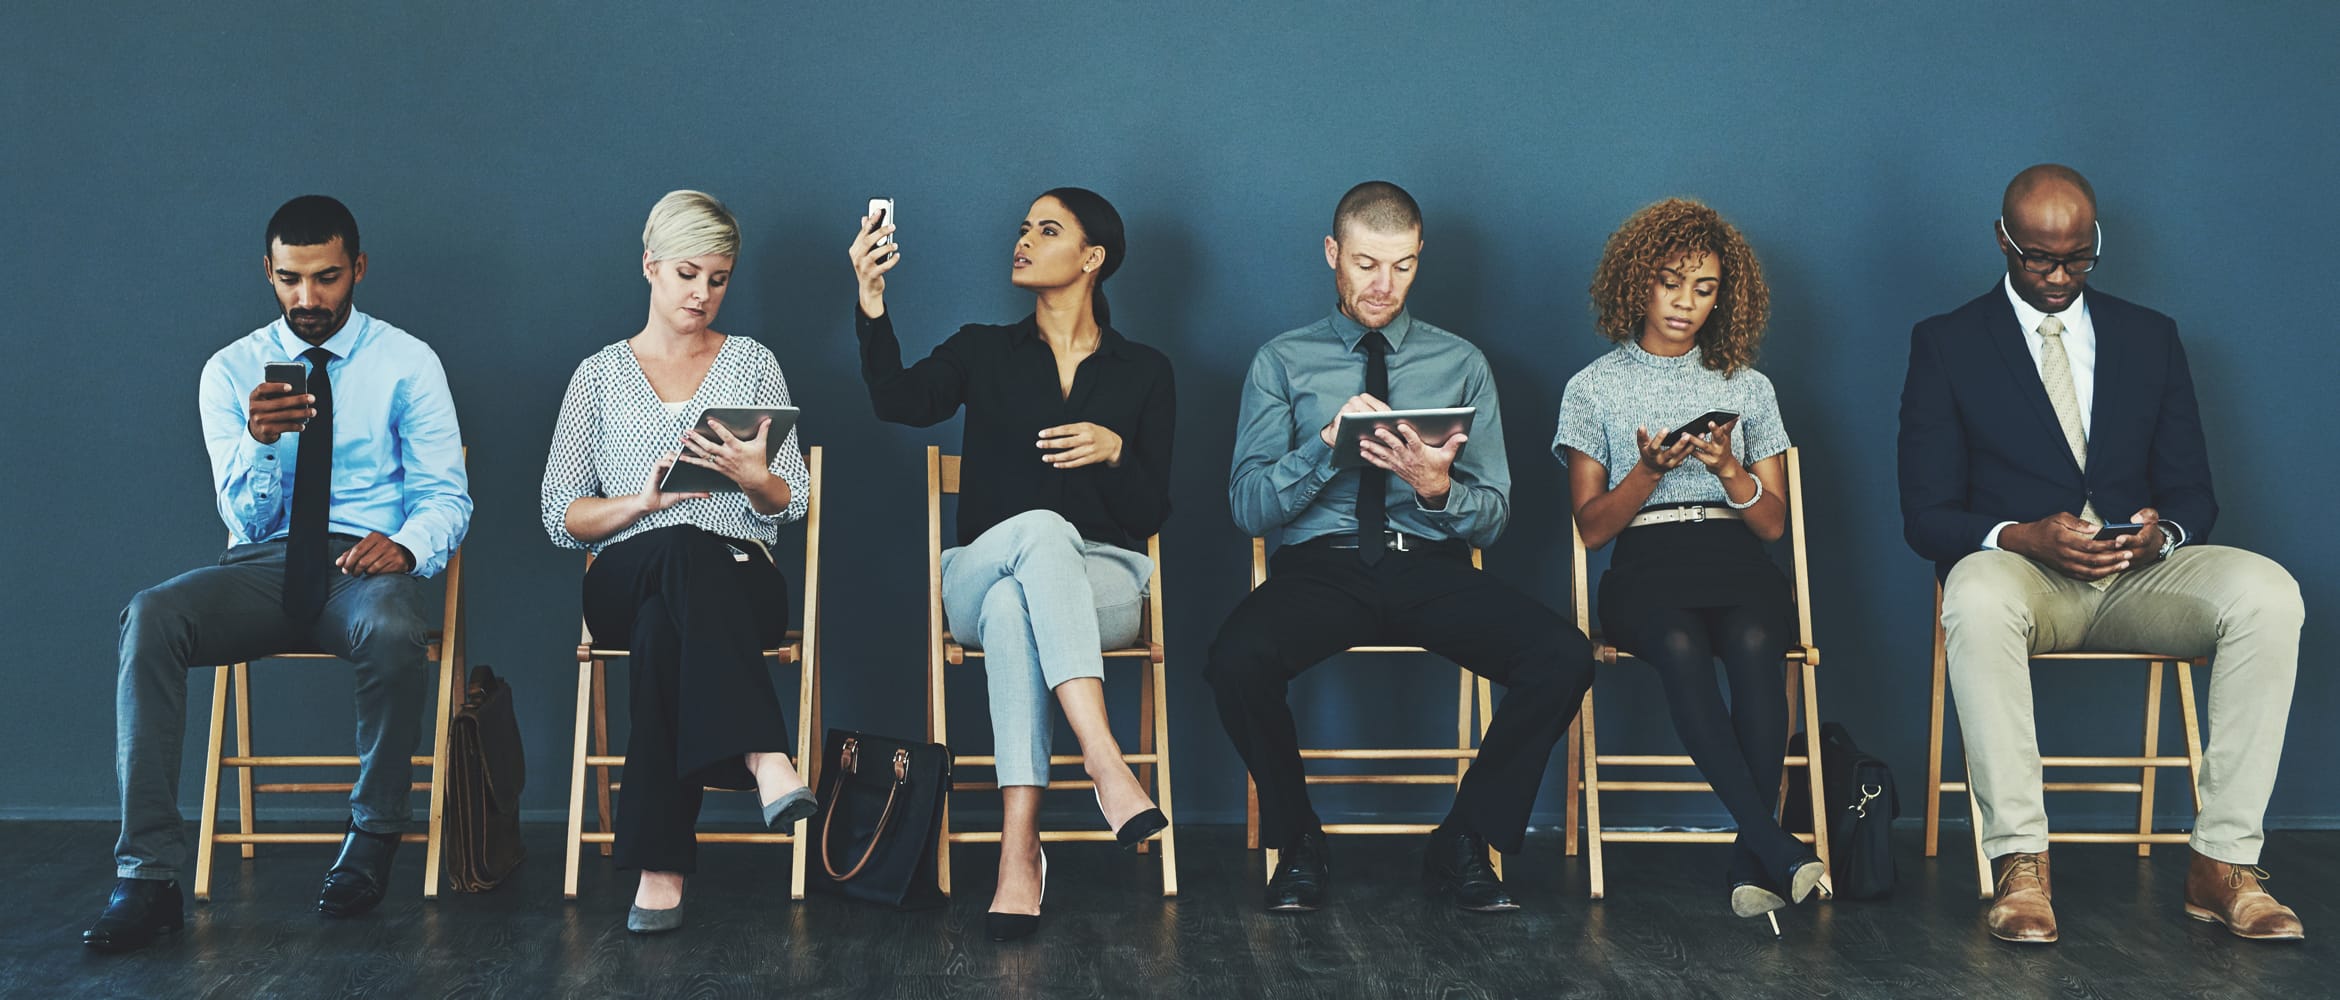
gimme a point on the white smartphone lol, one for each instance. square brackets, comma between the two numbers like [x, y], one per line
[883, 208]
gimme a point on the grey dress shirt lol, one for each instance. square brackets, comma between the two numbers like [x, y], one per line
[1283, 476]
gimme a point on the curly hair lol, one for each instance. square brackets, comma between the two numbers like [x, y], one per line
[1661, 234]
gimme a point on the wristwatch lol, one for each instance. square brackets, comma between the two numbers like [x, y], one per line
[2169, 542]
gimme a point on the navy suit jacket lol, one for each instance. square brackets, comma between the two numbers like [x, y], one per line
[1980, 443]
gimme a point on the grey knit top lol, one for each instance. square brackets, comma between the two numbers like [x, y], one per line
[1630, 387]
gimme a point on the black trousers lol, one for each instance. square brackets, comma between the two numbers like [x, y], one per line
[696, 619]
[1319, 601]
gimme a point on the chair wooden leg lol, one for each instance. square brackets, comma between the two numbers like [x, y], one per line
[1250, 814]
[1796, 721]
[1592, 797]
[806, 690]
[2152, 746]
[1161, 735]
[1145, 772]
[601, 748]
[575, 842]
[938, 731]
[246, 815]
[2193, 727]
[1934, 736]
[1814, 781]
[450, 680]
[1982, 862]
[1574, 783]
[210, 825]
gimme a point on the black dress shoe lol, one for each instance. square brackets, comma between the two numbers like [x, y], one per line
[140, 910]
[1456, 865]
[1010, 926]
[358, 877]
[1302, 872]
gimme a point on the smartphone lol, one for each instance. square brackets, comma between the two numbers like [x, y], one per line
[2109, 532]
[1716, 417]
[883, 208]
[292, 373]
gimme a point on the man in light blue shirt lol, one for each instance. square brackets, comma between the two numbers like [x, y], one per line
[1382, 555]
[341, 497]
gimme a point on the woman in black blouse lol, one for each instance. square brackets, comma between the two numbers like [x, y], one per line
[1065, 474]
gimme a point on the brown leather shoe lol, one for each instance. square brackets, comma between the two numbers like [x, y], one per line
[2022, 913]
[2217, 892]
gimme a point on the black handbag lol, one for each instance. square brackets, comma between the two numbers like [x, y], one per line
[1858, 793]
[486, 770]
[881, 809]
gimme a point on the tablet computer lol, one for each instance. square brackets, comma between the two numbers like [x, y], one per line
[741, 421]
[1435, 426]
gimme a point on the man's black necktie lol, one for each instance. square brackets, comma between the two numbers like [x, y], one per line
[307, 564]
[1373, 484]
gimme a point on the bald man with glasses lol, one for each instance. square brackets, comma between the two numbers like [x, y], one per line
[2032, 417]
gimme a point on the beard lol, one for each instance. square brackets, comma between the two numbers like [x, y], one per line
[315, 323]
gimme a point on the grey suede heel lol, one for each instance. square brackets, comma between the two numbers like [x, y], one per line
[642, 921]
[787, 809]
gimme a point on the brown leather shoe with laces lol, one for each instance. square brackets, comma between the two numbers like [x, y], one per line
[2217, 892]
[2023, 912]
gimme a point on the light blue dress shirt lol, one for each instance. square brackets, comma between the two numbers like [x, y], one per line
[397, 453]
[1284, 476]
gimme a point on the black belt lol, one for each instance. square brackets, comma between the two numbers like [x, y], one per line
[1395, 541]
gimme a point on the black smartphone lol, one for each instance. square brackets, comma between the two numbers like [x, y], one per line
[292, 373]
[2109, 532]
[1698, 426]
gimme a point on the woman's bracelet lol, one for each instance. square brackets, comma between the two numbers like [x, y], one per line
[1751, 501]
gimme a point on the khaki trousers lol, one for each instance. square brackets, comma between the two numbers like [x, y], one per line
[2237, 607]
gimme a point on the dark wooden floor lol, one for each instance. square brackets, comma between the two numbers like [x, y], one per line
[1664, 932]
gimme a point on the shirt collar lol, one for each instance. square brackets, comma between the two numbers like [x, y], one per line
[2029, 318]
[339, 345]
[1109, 341]
[1633, 349]
[1352, 332]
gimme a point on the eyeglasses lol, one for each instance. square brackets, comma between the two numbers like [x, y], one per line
[2039, 263]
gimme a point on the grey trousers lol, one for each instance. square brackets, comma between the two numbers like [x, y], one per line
[234, 612]
[1042, 603]
[2237, 607]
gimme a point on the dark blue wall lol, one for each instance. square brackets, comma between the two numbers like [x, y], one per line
[501, 164]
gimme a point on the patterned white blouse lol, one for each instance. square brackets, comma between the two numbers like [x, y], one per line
[613, 429]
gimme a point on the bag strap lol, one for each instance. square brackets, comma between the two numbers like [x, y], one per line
[850, 758]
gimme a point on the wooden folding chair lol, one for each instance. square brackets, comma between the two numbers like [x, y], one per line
[800, 647]
[1803, 696]
[1152, 759]
[2145, 764]
[446, 648]
[1471, 692]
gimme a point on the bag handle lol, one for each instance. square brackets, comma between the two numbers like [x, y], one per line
[850, 759]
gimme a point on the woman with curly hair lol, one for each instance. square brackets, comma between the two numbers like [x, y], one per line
[1682, 295]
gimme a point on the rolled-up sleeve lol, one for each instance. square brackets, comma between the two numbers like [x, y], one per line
[436, 493]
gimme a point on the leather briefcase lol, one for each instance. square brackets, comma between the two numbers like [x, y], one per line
[486, 771]
[881, 810]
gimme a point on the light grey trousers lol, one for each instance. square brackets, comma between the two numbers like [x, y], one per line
[1041, 602]
[2237, 607]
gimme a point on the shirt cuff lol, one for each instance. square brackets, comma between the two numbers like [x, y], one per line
[265, 470]
[2182, 536]
[1991, 541]
[410, 539]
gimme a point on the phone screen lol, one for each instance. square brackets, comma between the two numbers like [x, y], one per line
[2109, 532]
[1719, 418]
[291, 373]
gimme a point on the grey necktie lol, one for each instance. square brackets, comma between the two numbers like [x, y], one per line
[2055, 373]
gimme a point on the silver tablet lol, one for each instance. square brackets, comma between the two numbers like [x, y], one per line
[1435, 426]
[741, 421]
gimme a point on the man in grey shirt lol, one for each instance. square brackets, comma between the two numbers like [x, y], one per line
[1382, 555]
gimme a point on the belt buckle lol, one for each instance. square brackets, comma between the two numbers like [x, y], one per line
[1697, 513]
[1398, 541]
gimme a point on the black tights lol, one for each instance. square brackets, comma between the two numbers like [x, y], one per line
[1740, 750]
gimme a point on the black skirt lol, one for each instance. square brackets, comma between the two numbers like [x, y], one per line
[1691, 564]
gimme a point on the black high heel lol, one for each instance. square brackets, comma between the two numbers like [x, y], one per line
[1139, 828]
[1010, 926]
[1804, 875]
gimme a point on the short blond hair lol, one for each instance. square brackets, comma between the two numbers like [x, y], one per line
[689, 224]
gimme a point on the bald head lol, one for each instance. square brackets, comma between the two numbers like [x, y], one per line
[2048, 214]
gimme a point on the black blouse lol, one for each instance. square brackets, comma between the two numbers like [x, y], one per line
[1006, 378]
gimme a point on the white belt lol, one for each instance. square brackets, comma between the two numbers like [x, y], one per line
[1677, 515]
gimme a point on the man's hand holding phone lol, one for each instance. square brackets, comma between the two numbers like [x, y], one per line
[2068, 545]
[2142, 538]
[274, 410]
